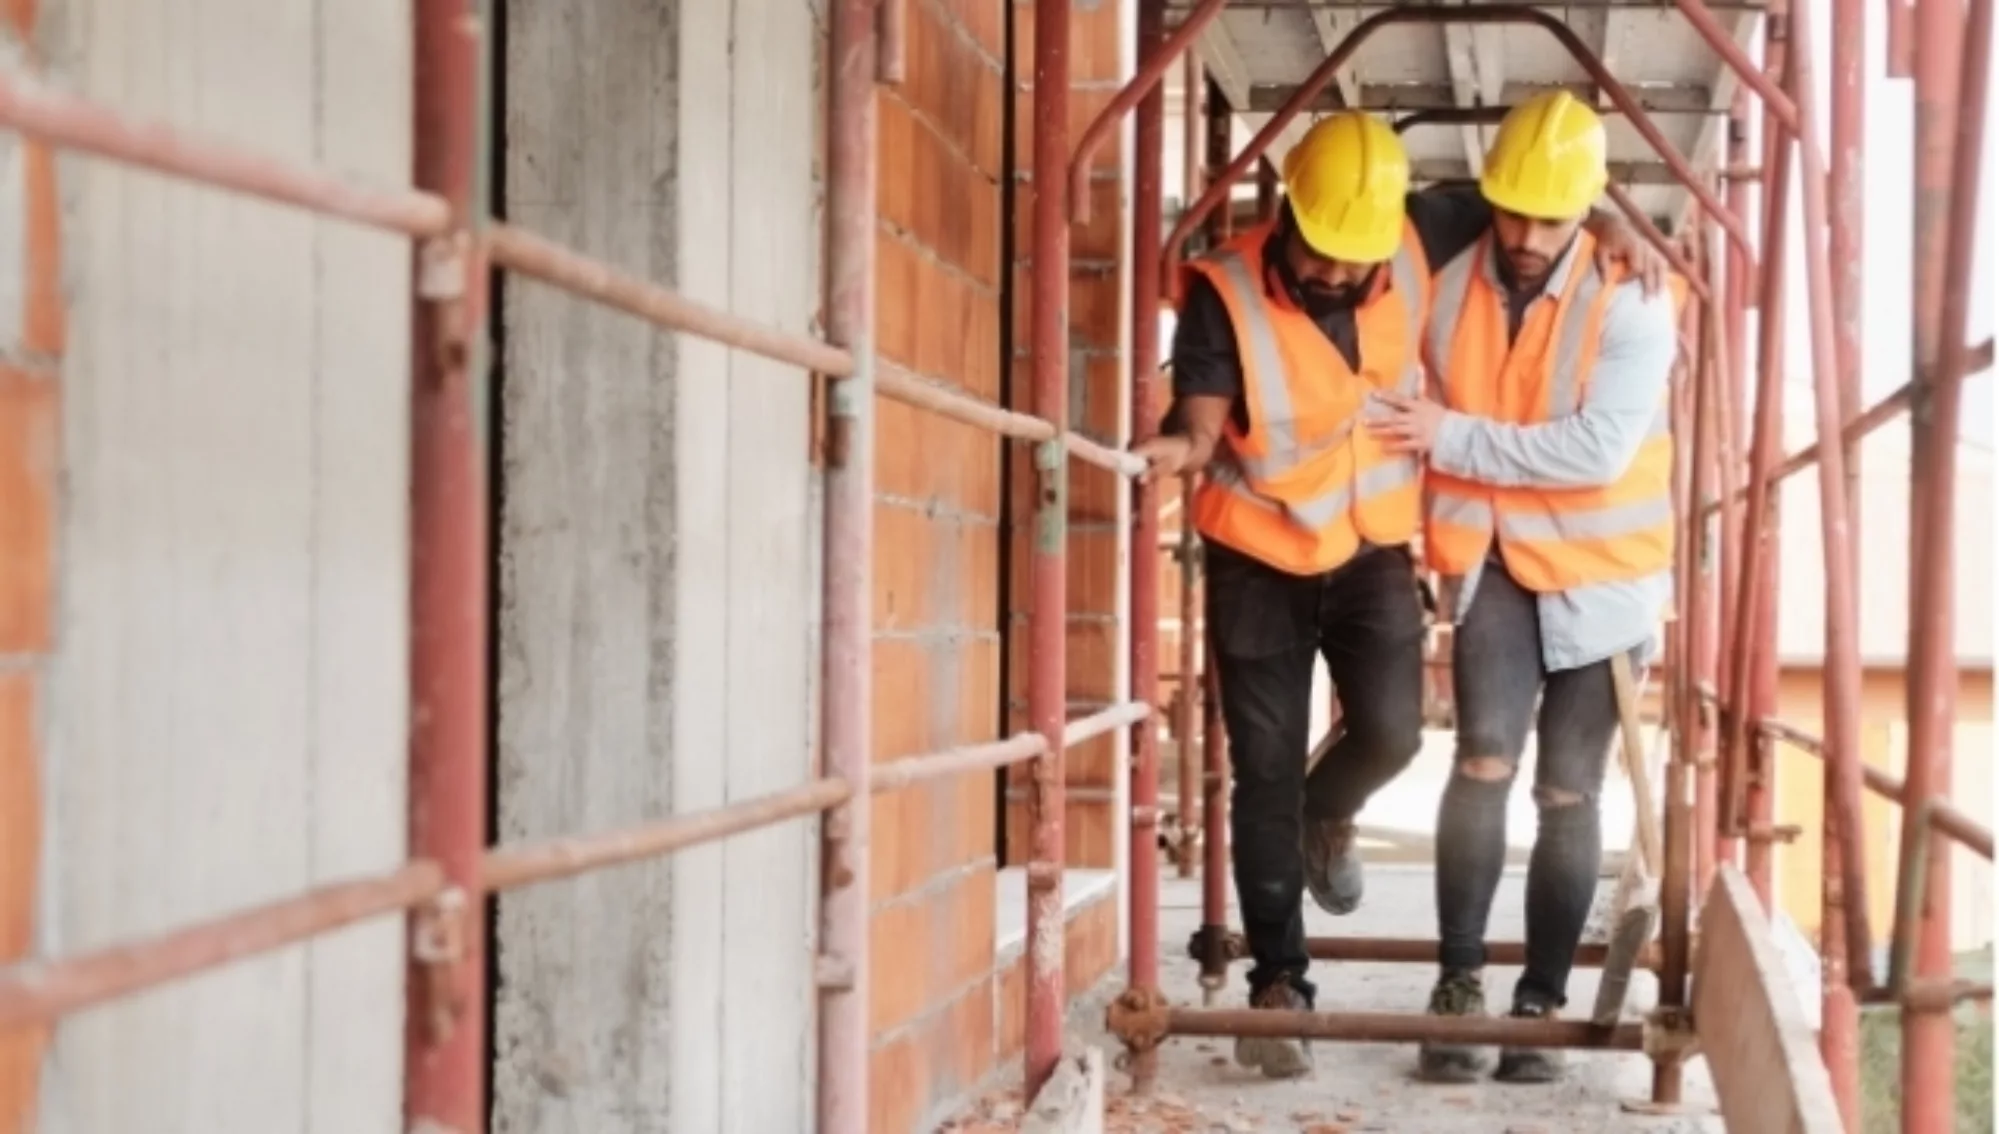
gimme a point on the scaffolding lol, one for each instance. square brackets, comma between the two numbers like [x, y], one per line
[1719, 702]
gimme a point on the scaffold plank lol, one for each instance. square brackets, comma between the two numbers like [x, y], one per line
[1761, 1050]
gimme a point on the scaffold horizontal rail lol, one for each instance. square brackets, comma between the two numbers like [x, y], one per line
[1103, 721]
[1402, 1027]
[79, 124]
[37, 991]
[899, 774]
[1942, 816]
[507, 868]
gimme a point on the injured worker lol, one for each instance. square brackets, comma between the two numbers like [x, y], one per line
[1548, 520]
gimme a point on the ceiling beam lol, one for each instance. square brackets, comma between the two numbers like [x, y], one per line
[1478, 78]
[1225, 65]
[1657, 98]
[1333, 26]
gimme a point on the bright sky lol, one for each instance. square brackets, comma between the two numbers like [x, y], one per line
[1889, 156]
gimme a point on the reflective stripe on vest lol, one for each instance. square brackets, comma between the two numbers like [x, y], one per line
[1267, 383]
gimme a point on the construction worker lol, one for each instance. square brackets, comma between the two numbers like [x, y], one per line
[1548, 519]
[1284, 335]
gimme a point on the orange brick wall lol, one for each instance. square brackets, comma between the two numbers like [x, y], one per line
[944, 1012]
[1097, 405]
[29, 436]
[937, 563]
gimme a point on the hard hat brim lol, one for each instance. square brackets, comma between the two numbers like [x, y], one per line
[1539, 208]
[1362, 248]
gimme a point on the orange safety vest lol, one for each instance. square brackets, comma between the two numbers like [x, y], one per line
[1305, 483]
[1552, 539]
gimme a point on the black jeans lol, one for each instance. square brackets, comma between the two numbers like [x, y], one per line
[1267, 628]
[1497, 674]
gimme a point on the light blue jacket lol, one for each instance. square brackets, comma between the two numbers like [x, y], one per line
[1623, 404]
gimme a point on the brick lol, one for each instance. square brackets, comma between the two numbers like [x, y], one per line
[1094, 494]
[898, 942]
[20, 813]
[985, 22]
[1089, 656]
[1096, 43]
[1084, 105]
[981, 220]
[901, 678]
[980, 719]
[1094, 568]
[1094, 40]
[1090, 834]
[935, 943]
[989, 101]
[28, 440]
[1090, 944]
[896, 136]
[1102, 238]
[898, 841]
[1093, 763]
[961, 1048]
[1010, 1009]
[904, 555]
[895, 285]
[898, 1085]
[1094, 308]
[974, 813]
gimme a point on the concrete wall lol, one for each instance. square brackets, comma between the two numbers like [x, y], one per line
[657, 574]
[225, 721]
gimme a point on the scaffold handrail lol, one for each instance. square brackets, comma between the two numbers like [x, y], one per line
[36, 991]
[33, 992]
[79, 124]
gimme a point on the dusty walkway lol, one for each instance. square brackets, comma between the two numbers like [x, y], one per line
[1357, 1088]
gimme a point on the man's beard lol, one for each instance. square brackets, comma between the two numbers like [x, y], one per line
[1321, 300]
[1527, 268]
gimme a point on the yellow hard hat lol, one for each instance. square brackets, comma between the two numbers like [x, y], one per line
[1547, 160]
[1346, 180]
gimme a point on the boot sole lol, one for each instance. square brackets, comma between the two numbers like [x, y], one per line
[1275, 1058]
[1528, 1068]
[1452, 1066]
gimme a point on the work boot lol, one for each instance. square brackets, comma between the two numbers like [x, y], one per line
[1460, 994]
[1332, 864]
[1529, 1064]
[1277, 1058]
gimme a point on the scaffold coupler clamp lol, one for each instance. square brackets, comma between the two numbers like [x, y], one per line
[1138, 1017]
[1669, 1035]
[437, 944]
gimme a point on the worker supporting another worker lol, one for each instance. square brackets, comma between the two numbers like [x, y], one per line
[1549, 522]
[1285, 334]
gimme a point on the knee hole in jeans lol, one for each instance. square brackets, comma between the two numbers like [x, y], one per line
[1488, 769]
[1553, 798]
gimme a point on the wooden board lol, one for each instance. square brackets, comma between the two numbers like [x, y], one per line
[1761, 1051]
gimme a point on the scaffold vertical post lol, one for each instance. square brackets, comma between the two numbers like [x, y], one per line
[1754, 694]
[1047, 671]
[1148, 200]
[444, 1028]
[1952, 60]
[1840, 702]
[846, 673]
[1738, 289]
[1839, 1010]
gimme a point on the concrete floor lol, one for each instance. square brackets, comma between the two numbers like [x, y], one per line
[1369, 1087]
